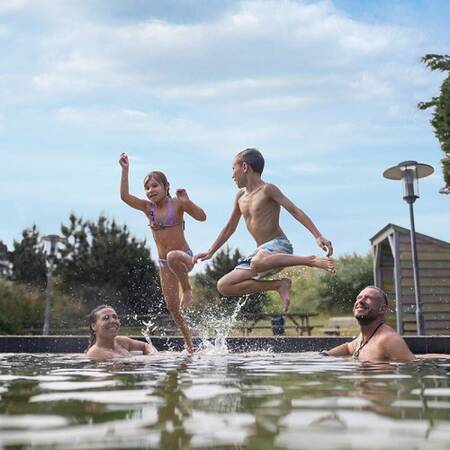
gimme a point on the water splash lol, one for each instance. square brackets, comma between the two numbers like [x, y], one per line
[213, 326]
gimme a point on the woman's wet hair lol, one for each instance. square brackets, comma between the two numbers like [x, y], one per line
[253, 158]
[159, 177]
[92, 318]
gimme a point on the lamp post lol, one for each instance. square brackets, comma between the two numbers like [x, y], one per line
[51, 242]
[410, 172]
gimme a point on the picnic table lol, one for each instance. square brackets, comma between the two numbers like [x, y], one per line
[279, 322]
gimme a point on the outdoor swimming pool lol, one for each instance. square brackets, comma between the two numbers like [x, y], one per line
[254, 400]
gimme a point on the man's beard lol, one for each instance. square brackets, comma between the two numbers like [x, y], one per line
[365, 320]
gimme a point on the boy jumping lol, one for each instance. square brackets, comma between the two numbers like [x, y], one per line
[259, 202]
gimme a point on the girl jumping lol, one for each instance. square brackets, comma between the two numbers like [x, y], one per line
[165, 215]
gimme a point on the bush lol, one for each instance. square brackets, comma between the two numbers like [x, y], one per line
[23, 309]
[337, 292]
[19, 307]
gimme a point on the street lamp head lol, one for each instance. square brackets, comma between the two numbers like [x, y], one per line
[51, 241]
[409, 172]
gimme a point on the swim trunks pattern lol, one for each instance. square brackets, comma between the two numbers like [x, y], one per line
[280, 244]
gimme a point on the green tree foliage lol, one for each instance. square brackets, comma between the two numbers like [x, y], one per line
[440, 120]
[205, 291]
[19, 307]
[28, 259]
[337, 292]
[22, 310]
[102, 263]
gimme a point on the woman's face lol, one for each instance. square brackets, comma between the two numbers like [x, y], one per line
[154, 190]
[107, 323]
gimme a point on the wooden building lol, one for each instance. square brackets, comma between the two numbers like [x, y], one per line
[393, 273]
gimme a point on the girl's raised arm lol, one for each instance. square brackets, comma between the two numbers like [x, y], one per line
[131, 200]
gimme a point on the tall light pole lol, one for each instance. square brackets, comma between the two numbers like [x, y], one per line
[410, 172]
[51, 242]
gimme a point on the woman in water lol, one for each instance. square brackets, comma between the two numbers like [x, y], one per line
[165, 215]
[104, 341]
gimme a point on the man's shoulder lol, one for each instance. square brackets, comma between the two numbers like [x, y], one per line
[390, 339]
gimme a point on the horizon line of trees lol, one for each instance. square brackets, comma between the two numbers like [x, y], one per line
[101, 262]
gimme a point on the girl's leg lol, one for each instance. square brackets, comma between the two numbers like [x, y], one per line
[169, 284]
[240, 282]
[181, 264]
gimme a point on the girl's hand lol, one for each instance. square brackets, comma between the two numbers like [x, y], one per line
[182, 196]
[123, 161]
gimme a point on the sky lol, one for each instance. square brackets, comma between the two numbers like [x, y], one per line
[326, 90]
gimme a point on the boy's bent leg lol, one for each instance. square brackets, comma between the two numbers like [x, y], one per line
[169, 285]
[181, 264]
[264, 261]
[240, 282]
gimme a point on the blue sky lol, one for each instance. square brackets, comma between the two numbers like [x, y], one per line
[327, 90]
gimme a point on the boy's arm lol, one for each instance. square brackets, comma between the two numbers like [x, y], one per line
[125, 195]
[226, 232]
[275, 194]
[189, 206]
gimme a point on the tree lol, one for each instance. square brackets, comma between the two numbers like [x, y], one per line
[205, 284]
[441, 116]
[28, 259]
[102, 263]
[337, 292]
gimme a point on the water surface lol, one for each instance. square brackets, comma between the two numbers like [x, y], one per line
[254, 400]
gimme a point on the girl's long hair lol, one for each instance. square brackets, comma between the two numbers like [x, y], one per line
[92, 318]
[159, 177]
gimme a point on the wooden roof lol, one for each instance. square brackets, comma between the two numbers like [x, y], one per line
[387, 230]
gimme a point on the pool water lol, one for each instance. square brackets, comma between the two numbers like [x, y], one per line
[254, 400]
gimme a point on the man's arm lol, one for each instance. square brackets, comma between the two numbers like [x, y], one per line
[396, 349]
[341, 350]
[226, 232]
[275, 194]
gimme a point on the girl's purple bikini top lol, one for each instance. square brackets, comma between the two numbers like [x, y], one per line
[169, 221]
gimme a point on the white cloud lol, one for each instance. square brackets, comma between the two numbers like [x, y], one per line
[151, 123]
[243, 51]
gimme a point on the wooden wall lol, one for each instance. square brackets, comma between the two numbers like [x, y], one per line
[434, 272]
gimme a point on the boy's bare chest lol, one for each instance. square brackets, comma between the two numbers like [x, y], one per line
[256, 204]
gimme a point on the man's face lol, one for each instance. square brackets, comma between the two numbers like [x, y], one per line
[238, 173]
[369, 306]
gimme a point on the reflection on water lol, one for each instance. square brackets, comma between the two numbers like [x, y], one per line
[253, 400]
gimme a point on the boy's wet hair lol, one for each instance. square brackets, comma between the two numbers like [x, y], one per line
[380, 292]
[253, 158]
[159, 177]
